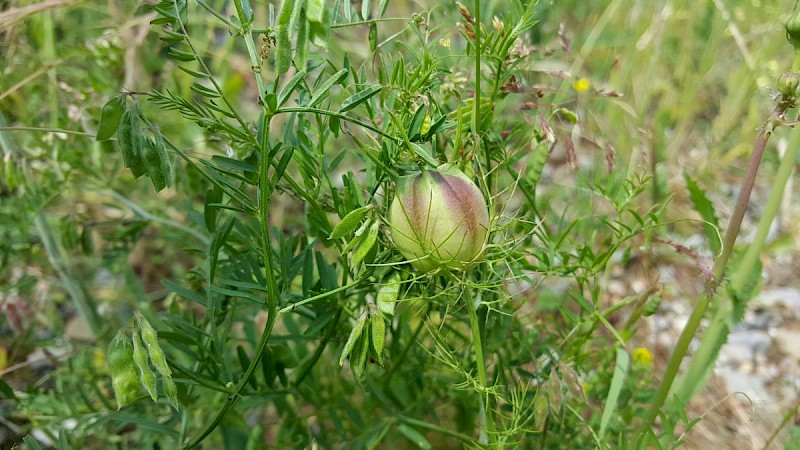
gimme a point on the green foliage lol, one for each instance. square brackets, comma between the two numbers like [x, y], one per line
[266, 257]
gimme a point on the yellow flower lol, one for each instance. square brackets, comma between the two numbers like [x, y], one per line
[582, 85]
[643, 356]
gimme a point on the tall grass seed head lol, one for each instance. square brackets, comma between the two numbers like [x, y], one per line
[439, 219]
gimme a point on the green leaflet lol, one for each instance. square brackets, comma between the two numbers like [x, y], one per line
[349, 223]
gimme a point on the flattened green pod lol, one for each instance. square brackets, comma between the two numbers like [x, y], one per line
[129, 136]
[121, 366]
[172, 391]
[148, 377]
[283, 58]
[150, 338]
[110, 117]
[154, 164]
[378, 329]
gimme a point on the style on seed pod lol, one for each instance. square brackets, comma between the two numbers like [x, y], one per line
[439, 219]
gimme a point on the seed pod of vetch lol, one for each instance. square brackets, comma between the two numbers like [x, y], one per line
[439, 219]
[150, 338]
[146, 374]
[121, 366]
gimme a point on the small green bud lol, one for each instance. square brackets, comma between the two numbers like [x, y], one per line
[439, 219]
[788, 83]
[791, 22]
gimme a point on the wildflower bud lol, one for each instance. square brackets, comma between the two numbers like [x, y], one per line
[439, 219]
[788, 83]
[791, 22]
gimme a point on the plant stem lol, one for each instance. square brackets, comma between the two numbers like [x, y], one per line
[255, 59]
[476, 110]
[487, 431]
[696, 374]
[265, 189]
[689, 330]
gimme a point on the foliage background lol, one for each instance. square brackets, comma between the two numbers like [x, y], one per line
[81, 238]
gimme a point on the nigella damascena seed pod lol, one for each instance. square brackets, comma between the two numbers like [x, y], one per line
[439, 219]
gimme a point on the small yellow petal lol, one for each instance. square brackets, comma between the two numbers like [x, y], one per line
[643, 356]
[582, 85]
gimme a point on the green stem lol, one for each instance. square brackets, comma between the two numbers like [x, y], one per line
[487, 431]
[767, 215]
[695, 376]
[265, 189]
[255, 59]
[689, 330]
[476, 109]
[319, 296]
[48, 130]
[264, 192]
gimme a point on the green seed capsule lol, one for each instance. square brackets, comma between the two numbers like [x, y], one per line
[439, 220]
[146, 374]
[121, 366]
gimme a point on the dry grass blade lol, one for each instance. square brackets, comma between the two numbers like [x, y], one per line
[14, 16]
